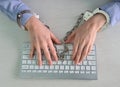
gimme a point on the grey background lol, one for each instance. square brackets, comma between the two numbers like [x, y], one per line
[60, 15]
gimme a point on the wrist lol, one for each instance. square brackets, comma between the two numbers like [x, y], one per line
[97, 21]
[32, 23]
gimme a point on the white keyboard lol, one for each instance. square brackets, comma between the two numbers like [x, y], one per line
[63, 69]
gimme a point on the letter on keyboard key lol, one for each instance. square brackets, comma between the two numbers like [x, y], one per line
[90, 57]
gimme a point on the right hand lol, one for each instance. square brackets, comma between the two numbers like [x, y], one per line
[41, 40]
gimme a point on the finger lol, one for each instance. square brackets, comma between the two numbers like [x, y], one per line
[70, 37]
[84, 53]
[47, 54]
[53, 51]
[32, 51]
[55, 39]
[75, 48]
[79, 53]
[37, 46]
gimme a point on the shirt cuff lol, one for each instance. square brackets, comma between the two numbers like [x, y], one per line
[25, 16]
[113, 10]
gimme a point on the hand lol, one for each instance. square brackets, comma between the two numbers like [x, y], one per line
[41, 40]
[83, 38]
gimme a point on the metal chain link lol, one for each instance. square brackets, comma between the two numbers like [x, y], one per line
[66, 49]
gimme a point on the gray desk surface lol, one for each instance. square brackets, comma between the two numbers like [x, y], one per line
[60, 15]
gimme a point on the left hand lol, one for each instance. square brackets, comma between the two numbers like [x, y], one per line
[83, 38]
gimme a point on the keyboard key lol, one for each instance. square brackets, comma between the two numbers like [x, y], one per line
[57, 67]
[29, 62]
[23, 61]
[77, 72]
[84, 62]
[93, 67]
[25, 66]
[87, 72]
[92, 62]
[93, 72]
[67, 67]
[70, 62]
[64, 62]
[82, 67]
[71, 71]
[51, 67]
[44, 71]
[23, 71]
[36, 67]
[46, 66]
[90, 57]
[87, 67]
[59, 62]
[82, 72]
[72, 67]
[62, 67]
[28, 71]
[55, 71]
[25, 57]
[31, 66]
[77, 67]
[65, 71]
[92, 53]
[50, 71]
[60, 71]
[41, 67]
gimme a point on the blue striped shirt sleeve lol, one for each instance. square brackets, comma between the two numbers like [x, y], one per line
[12, 7]
[113, 10]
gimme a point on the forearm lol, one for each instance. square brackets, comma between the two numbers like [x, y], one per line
[12, 7]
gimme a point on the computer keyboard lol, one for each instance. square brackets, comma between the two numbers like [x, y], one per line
[63, 69]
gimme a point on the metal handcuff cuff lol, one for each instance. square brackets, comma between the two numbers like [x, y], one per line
[81, 19]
